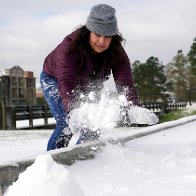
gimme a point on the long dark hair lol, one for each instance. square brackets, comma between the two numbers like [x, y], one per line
[114, 52]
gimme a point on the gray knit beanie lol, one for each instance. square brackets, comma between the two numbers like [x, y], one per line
[102, 20]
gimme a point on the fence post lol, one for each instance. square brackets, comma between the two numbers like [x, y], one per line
[30, 116]
[1, 190]
[14, 117]
[4, 123]
[45, 115]
[163, 107]
[9, 122]
[1, 116]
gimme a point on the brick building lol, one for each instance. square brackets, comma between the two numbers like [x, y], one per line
[17, 86]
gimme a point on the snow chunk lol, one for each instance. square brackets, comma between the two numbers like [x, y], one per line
[140, 115]
[106, 113]
[45, 177]
[123, 100]
[103, 114]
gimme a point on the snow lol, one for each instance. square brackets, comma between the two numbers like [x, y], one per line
[36, 122]
[191, 108]
[104, 114]
[22, 144]
[158, 164]
[54, 180]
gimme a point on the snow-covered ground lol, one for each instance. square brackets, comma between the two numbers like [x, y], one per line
[36, 122]
[22, 144]
[160, 164]
[190, 108]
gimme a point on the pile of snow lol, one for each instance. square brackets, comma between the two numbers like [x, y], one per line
[106, 113]
[45, 177]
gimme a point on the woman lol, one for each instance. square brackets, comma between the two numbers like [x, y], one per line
[80, 64]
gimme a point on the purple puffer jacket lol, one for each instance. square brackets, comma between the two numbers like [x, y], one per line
[73, 73]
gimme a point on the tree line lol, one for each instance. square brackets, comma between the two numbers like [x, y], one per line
[155, 81]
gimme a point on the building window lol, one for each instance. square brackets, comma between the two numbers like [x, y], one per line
[14, 102]
[21, 93]
[21, 82]
[31, 93]
[14, 92]
[14, 81]
[30, 82]
[22, 102]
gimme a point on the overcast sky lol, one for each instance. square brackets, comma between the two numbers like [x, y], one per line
[31, 29]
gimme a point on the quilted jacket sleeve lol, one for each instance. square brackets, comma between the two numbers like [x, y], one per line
[66, 73]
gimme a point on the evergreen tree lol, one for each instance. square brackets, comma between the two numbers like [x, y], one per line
[178, 75]
[192, 57]
[150, 79]
[192, 71]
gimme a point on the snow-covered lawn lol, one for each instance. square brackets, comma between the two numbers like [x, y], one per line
[191, 108]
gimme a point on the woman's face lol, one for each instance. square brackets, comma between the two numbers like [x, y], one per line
[99, 43]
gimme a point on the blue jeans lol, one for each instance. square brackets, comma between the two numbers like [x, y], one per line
[51, 93]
